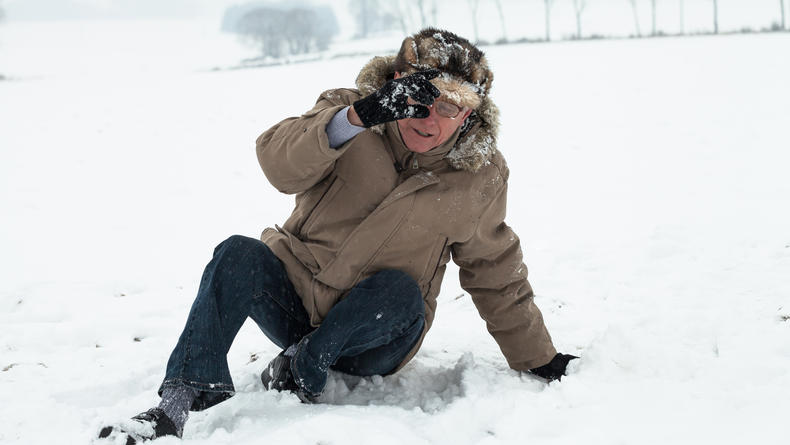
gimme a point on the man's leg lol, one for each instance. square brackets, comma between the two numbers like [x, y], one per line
[243, 278]
[369, 332]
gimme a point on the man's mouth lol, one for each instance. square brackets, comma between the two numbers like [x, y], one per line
[425, 135]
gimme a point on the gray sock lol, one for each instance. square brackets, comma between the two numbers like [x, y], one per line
[176, 403]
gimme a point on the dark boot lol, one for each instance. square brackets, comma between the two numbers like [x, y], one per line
[153, 423]
[278, 376]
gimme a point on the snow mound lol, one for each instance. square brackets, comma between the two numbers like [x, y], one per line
[418, 386]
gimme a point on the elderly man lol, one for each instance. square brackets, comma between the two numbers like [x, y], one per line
[392, 180]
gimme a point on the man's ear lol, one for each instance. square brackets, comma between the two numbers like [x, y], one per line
[396, 75]
[467, 113]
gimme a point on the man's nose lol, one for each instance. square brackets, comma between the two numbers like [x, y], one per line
[433, 116]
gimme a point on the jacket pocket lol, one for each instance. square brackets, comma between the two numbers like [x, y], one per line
[321, 205]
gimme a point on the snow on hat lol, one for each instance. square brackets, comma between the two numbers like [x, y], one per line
[465, 79]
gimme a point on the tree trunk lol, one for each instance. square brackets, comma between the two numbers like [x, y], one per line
[434, 13]
[578, 6]
[715, 16]
[473, 4]
[421, 6]
[682, 19]
[498, 4]
[636, 18]
[404, 18]
[782, 5]
[547, 8]
[653, 5]
[365, 18]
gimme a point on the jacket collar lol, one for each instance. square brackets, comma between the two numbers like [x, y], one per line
[430, 160]
[472, 147]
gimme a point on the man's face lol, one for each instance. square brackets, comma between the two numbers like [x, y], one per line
[422, 135]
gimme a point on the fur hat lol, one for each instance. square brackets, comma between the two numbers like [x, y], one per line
[465, 79]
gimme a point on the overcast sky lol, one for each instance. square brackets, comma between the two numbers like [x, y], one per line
[112, 9]
[102, 9]
[601, 16]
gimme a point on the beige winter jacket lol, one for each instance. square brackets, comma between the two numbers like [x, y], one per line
[356, 214]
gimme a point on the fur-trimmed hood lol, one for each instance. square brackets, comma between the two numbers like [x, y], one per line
[477, 141]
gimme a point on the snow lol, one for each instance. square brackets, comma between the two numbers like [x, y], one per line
[648, 185]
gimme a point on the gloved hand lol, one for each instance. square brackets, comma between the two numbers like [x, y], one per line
[555, 369]
[388, 103]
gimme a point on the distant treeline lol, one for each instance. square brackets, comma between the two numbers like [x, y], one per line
[298, 27]
[279, 29]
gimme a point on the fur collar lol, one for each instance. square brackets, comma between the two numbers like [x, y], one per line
[476, 143]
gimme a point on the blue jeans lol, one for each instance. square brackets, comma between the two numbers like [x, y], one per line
[369, 332]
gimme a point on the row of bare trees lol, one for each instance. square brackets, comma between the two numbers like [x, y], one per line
[383, 15]
[579, 6]
[294, 28]
[392, 14]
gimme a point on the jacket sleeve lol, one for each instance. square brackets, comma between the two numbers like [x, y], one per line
[295, 154]
[492, 271]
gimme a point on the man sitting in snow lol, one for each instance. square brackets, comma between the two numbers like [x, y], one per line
[392, 180]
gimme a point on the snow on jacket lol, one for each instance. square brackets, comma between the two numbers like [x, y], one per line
[357, 214]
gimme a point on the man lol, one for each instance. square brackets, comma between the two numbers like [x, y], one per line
[392, 181]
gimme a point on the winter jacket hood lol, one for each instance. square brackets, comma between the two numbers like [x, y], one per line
[477, 139]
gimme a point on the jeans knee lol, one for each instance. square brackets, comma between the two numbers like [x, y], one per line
[237, 243]
[404, 291]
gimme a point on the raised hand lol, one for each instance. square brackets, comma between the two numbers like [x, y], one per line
[391, 101]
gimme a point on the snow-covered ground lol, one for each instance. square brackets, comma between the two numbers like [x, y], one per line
[649, 185]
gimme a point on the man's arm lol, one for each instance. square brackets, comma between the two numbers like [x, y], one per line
[494, 275]
[295, 154]
[343, 127]
[298, 152]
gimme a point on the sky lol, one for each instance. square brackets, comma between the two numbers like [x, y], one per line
[733, 13]
[523, 18]
[109, 9]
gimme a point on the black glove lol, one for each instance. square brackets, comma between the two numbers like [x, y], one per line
[555, 369]
[388, 103]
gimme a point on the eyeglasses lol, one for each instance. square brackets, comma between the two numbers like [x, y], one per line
[442, 108]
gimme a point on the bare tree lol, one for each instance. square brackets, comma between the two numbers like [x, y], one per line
[473, 7]
[401, 13]
[293, 31]
[265, 27]
[547, 4]
[653, 7]
[578, 8]
[297, 34]
[421, 7]
[501, 19]
[402, 17]
[363, 12]
[373, 15]
[715, 16]
[636, 17]
[434, 13]
[682, 18]
[781, 5]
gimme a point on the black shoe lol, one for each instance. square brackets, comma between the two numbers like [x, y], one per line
[154, 417]
[278, 376]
